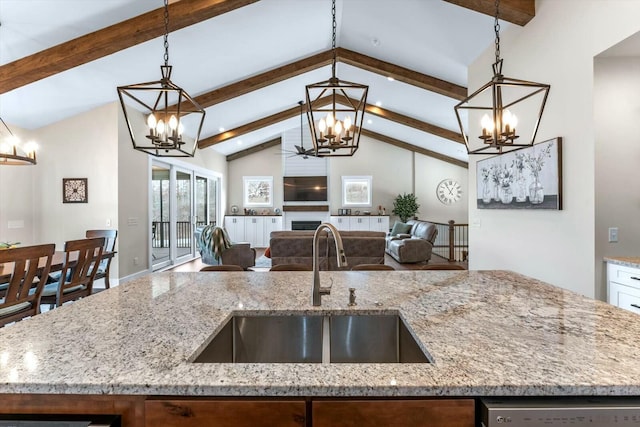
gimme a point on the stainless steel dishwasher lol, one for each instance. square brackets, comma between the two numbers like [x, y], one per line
[561, 411]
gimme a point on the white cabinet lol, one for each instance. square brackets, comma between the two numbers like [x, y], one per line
[271, 223]
[360, 223]
[235, 227]
[253, 229]
[340, 222]
[623, 286]
[379, 223]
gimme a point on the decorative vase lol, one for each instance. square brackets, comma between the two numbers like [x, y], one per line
[506, 195]
[486, 193]
[521, 188]
[496, 192]
[536, 191]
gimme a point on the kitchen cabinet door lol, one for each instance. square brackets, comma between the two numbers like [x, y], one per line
[340, 222]
[235, 228]
[271, 223]
[394, 413]
[254, 231]
[359, 223]
[224, 413]
[379, 223]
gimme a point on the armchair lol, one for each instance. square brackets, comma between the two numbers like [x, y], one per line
[236, 253]
[415, 246]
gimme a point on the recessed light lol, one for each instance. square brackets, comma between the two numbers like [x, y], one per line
[239, 142]
[220, 129]
[390, 78]
[369, 121]
[378, 103]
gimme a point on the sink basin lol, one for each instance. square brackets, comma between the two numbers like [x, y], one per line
[313, 338]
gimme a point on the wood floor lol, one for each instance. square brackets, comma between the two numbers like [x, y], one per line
[197, 264]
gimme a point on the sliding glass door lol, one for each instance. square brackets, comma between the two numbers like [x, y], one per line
[181, 199]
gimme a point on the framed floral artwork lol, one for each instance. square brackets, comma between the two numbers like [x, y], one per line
[529, 178]
[258, 191]
[356, 191]
[74, 190]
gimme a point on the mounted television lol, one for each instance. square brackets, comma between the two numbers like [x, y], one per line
[305, 189]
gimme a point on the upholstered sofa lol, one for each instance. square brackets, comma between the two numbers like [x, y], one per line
[414, 246]
[241, 254]
[296, 247]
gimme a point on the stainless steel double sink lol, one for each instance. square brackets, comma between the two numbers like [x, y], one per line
[313, 338]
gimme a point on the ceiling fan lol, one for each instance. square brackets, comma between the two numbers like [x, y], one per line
[299, 149]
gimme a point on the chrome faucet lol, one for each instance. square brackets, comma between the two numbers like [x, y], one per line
[317, 291]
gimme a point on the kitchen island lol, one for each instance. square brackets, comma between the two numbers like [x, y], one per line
[488, 333]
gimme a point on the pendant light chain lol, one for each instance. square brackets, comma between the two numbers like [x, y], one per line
[496, 29]
[333, 39]
[166, 32]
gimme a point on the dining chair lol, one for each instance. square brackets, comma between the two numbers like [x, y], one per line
[291, 267]
[77, 274]
[110, 237]
[372, 267]
[227, 267]
[25, 284]
[443, 267]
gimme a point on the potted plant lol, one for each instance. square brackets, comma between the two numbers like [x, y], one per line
[405, 206]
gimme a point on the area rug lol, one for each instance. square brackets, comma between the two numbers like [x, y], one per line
[263, 262]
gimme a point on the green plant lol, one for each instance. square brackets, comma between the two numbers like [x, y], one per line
[405, 206]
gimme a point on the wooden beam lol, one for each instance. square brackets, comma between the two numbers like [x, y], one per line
[110, 40]
[415, 123]
[265, 79]
[254, 149]
[401, 74]
[518, 12]
[256, 125]
[414, 148]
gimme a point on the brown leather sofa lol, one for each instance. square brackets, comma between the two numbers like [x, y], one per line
[241, 254]
[415, 246]
[296, 247]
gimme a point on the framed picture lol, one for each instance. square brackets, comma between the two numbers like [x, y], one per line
[530, 178]
[258, 191]
[74, 190]
[356, 191]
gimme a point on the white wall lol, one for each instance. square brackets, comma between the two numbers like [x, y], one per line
[617, 148]
[556, 47]
[429, 172]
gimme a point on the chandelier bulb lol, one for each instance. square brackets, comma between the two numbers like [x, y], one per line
[347, 123]
[330, 120]
[338, 128]
[180, 129]
[173, 123]
[160, 127]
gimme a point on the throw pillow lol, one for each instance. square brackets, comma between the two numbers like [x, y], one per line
[400, 228]
[267, 252]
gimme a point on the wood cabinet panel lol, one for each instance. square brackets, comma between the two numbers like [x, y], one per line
[130, 408]
[224, 413]
[394, 413]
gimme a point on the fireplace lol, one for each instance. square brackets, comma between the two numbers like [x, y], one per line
[305, 225]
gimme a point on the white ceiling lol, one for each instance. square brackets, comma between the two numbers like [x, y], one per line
[429, 36]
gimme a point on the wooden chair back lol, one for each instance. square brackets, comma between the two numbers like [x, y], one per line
[443, 267]
[372, 267]
[291, 267]
[110, 237]
[78, 270]
[228, 267]
[31, 266]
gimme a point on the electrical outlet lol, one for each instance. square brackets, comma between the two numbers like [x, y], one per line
[136, 261]
[613, 234]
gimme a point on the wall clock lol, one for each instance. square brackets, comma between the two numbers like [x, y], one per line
[74, 190]
[449, 191]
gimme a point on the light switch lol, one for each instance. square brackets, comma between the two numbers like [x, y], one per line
[613, 234]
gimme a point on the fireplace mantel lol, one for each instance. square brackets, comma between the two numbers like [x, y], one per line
[306, 208]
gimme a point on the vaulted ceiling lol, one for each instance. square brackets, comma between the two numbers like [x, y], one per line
[248, 61]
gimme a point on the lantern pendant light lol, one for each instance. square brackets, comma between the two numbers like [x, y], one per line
[335, 110]
[12, 152]
[162, 118]
[501, 107]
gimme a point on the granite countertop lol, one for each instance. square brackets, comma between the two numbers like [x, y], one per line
[633, 262]
[489, 333]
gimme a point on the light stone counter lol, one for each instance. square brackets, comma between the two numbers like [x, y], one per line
[490, 333]
[633, 262]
